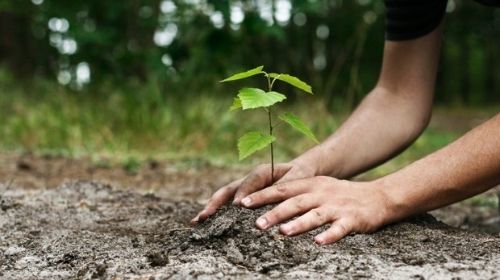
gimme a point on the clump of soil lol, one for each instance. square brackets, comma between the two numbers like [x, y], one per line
[89, 230]
[231, 233]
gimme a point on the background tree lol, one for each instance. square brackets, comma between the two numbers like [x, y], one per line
[186, 45]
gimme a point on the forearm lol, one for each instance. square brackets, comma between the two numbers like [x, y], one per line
[390, 117]
[383, 125]
[468, 166]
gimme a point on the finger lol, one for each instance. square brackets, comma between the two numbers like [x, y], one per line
[277, 193]
[286, 210]
[218, 199]
[258, 179]
[309, 221]
[337, 231]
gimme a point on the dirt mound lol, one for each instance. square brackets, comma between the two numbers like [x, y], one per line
[89, 230]
[232, 235]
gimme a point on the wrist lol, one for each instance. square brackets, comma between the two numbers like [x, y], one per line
[311, 161]
[393, 200]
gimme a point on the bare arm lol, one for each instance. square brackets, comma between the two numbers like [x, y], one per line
[468, 166]
[392, 115]
[464, 168]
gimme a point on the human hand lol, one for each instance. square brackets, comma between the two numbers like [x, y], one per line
[258, 179]
[349, 206]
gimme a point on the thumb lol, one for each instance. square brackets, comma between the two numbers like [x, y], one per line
[292, 174]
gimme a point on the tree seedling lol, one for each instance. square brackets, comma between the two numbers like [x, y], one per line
[254, 98]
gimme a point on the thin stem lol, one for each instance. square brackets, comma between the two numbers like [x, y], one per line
[272, 149]
[272, 83]
[269, 84]
[269, 114]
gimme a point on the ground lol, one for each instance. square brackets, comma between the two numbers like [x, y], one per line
[119, 223]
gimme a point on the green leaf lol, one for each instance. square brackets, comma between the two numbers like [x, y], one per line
[252, 142]
[296, 123]
[294, 81]
[236, 104]
[246, 74]
[252, 98]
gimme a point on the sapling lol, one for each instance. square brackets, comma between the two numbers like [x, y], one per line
[254, 98]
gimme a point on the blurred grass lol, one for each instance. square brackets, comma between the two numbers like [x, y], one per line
[137, 122]
[431, 140]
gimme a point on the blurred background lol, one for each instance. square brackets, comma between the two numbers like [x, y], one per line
[139, 78]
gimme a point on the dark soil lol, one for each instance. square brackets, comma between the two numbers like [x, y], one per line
[89, 230]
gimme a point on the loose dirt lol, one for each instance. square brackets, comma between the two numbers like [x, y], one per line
[194, 181]
[89, 230]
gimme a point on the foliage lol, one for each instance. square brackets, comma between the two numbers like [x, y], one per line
[118, 124]
[293, 81]
[253, 98]
[185, 45]
[244, 75]
[296, 123]
[252, 142]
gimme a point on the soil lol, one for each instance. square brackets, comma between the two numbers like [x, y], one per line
[88, 230]
[192, 181]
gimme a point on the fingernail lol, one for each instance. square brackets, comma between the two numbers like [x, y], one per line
[262, 223]
[236, 201]
[246, 201]
[195, 220]
[319, 239]
[287, 229]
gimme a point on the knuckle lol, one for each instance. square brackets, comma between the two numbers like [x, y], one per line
[210, 201]
[285, 167]
[261, 169]
[342, 227]
[300, 204]
[219, 193]
[365, 223]
[321, 180]
[256, 176]
[318, 215]
[299, 224]
[210, 208]
[240, 192]
[281, 188]
[233, 186]
[272, 216]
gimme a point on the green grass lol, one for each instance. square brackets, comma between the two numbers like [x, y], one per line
[431, 140]
[139, 122]
[136, 121]
[491, 201]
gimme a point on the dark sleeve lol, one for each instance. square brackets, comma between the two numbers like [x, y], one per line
[410, 19]
[492, 3]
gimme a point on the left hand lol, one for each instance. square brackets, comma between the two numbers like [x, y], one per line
[349, 206]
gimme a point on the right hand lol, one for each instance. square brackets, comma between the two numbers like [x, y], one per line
[258, 179]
